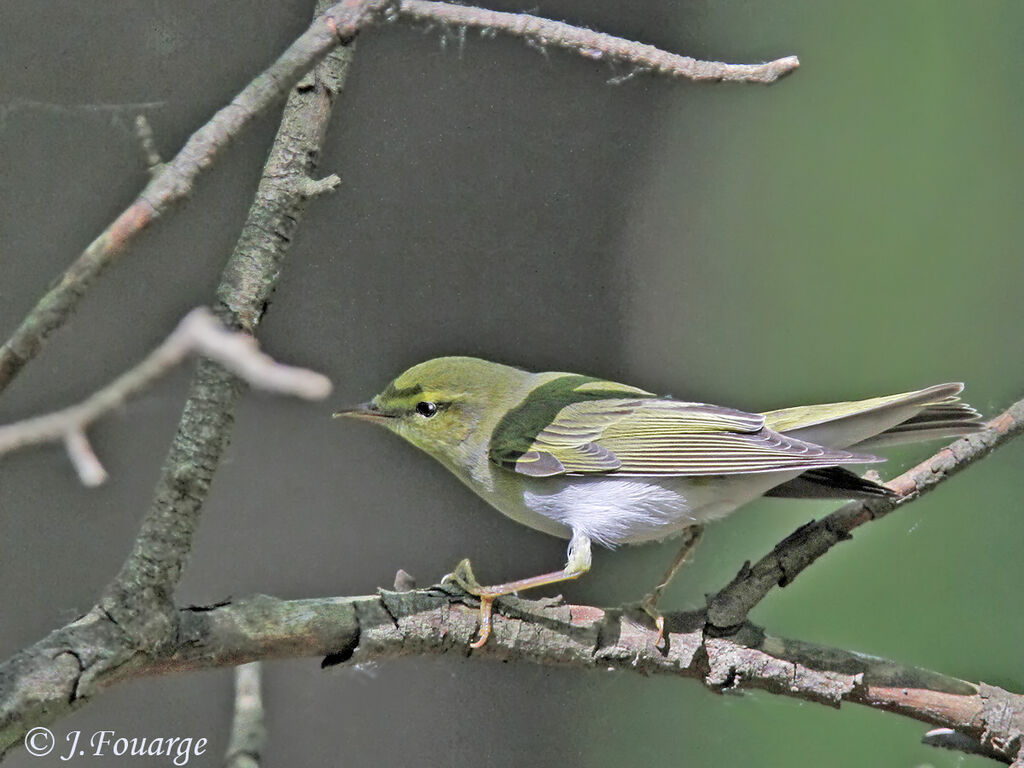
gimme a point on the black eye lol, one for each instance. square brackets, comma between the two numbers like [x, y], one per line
[425, 409]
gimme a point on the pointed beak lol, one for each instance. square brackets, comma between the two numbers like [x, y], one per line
[364, 411]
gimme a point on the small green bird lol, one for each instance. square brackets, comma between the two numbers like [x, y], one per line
[595, 461]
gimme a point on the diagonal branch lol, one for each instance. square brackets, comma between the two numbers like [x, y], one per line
[140, 598]
[199, 331]
[136, 616]
[729, 607]
[173, 181]
[593, 45]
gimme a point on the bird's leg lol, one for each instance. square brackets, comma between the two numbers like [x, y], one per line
[578, 563]
[649, 604]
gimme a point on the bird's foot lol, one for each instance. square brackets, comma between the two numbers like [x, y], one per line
[463, 578]
[649, 605]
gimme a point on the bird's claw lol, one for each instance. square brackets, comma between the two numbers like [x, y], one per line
[485, 622]
[463, 578]
[649, 606]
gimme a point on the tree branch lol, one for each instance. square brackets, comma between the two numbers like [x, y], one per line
[593, 45]
[76, 661]
[173, 181]
[435, 621]
[147, 145]
[136, 616]
[729, 607]
[140, 597]
[199, 331]
[248, 733]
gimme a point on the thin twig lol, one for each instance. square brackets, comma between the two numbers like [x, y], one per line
[729, 608]
[147, 144]
[248, 732]
[113, 110]
[594, 45]
[86, 463]
[199, 331]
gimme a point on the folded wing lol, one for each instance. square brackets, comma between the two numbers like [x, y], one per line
[660, 437]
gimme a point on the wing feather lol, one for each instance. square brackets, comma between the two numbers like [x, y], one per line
[667, 437]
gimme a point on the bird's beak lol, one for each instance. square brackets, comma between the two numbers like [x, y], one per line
[365, 411]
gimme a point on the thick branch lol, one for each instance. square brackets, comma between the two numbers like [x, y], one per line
[140, 597]
[594, 45]
[729, 608]
[433, 622]
[76, 661]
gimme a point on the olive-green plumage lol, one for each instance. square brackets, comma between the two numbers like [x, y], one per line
[593, 460]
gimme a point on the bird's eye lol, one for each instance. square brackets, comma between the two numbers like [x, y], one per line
[425, 409]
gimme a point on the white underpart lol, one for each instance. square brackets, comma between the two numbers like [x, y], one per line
[613, 511]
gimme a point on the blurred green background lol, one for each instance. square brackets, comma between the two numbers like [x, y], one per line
[848, 232]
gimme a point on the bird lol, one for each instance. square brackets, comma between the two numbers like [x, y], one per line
[599, 462]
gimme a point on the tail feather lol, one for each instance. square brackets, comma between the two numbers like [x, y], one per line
[910, 416]
[935, 412]
[941, 420]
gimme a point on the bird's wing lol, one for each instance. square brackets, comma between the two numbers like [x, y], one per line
[653, 436]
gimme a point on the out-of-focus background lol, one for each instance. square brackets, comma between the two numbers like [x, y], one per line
[851, 231]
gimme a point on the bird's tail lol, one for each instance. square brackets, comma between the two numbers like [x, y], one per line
[939, 420]
[927, 414]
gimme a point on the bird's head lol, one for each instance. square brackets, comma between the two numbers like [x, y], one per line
[440, 405]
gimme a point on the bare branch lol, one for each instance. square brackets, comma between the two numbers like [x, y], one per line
[140, 598]
[427, 622]
[87, 465]
[314, 188]
[248, 733]
[199, 331]
[435, 621]
[238, 353]
[729, 608]
[150, 155]
[114, 110]
[174, 180]
[136, 614]
[594, 45]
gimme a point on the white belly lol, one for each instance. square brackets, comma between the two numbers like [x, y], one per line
[620, 510]
[613, 511]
